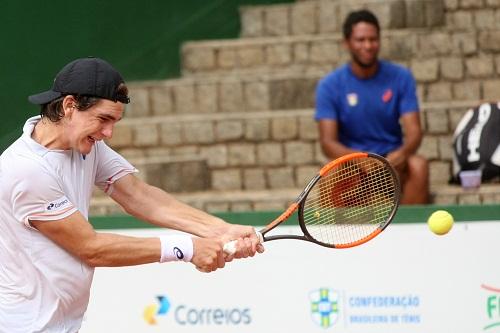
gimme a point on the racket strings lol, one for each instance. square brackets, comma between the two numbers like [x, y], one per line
[350, 201]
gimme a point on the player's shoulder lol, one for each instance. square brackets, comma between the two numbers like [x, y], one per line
[19, 163]
[395, 69]
[336, 76]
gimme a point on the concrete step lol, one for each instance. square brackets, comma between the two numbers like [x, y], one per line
[454, 194]
[176, 174]
[259, 126]
[216, 201]
[327, 16]
[241, 149]
[306, 53]
[441, 78]
[226, 94]
[277, 200]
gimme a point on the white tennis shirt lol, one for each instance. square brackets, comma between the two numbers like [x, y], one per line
[42, 287]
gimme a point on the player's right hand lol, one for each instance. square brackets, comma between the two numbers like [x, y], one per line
[208, 254]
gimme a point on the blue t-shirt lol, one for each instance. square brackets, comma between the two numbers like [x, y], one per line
[368, 110]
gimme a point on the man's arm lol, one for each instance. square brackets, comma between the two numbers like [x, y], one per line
[151, 204]
[412, 137]
[77, 236]
[328, 136]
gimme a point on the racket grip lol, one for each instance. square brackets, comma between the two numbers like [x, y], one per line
[230, 247]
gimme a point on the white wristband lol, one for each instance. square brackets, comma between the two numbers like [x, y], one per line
[176, 248]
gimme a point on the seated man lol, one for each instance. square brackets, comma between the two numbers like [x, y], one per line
[361, 106]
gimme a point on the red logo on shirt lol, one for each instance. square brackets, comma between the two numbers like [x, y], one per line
[386, 97]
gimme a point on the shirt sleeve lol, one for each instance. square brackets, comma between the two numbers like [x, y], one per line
[408, 101]
[111, 166]
[38, 195]
[325, 100]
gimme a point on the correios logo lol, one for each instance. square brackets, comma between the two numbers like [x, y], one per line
[55, 205]
[324, 306]
[492, 307]
[188, 315]
[159, 309]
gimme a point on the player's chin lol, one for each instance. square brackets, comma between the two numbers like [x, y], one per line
[86, 146]
[368, 62]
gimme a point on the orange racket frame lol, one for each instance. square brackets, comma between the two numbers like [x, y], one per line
[298, 204]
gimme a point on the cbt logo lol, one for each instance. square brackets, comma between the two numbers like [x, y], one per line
[324, 307]
[188, 315]
[492, 307]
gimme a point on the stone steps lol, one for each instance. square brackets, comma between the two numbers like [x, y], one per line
[225, 94]
[176, 174]
[279, 199]
[258, 126]
[439, 79]
[214, 201]
[326, 16]
[306, 53]
[245, 150]
[240, 118]
[454, 194]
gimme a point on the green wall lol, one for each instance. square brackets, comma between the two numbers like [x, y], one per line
[405, 214]
[140, 38]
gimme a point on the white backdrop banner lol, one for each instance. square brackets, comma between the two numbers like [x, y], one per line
[405, 280]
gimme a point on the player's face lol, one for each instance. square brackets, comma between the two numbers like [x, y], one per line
[364, 44]
[94, 124]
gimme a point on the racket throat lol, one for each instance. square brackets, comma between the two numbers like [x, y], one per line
[276, 237]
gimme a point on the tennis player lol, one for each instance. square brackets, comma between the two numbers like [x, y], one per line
[48, 249]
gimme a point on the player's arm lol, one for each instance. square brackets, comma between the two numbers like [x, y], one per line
[328, 137]
[151, 204]
[412, 137]
[77, 236]
[412, 132]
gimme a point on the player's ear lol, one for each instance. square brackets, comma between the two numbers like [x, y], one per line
[69, 105]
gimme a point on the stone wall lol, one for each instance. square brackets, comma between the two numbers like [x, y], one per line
[241, 115]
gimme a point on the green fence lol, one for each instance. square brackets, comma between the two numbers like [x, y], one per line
[140, 38]
[405, 214]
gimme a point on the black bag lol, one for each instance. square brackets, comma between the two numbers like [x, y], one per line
[476, 142]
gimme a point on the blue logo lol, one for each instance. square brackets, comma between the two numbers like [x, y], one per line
[324, 307]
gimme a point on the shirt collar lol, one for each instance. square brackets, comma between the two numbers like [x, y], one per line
[28, 128]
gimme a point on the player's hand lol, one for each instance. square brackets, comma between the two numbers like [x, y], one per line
[207, 254]
[398, 159]
[247, 241]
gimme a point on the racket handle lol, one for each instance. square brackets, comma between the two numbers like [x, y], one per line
[230, 247]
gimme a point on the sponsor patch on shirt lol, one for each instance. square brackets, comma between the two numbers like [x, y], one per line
[352, 99]
[386, 97]
[58, 204]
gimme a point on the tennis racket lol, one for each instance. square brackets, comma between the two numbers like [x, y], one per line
[350, 201]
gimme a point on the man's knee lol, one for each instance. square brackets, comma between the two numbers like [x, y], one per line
[418, 166]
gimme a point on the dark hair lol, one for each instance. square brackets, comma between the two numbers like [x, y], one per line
[356, 17]
[54, 110]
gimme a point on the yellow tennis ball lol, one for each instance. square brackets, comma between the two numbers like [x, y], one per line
[440, 222]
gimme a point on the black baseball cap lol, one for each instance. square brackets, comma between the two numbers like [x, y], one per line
[86, 76]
